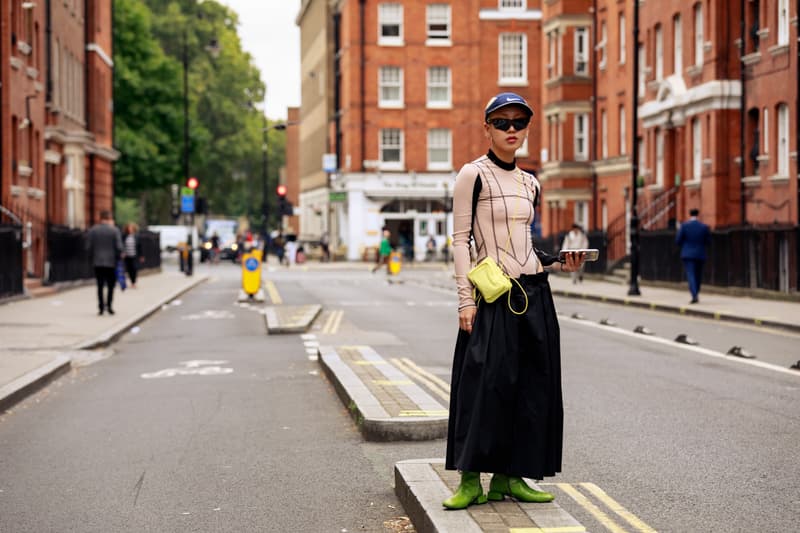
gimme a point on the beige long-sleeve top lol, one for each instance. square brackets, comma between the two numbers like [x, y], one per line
[503, 215]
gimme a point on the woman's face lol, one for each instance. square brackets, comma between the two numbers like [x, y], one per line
[510, 140]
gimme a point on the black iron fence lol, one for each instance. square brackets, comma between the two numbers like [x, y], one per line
[11, 278]
[757, 258]
[69, 260]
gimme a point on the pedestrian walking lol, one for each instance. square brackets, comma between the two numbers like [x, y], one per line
[384, 251]
[324, 243]
[506, 413]
[133, 252]
[215, 248]
[575, 239]
[104, 244]
[693, 237]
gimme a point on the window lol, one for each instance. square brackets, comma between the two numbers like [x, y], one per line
[660, 157]
[622, 39]
[642, 158]
[783, 140]
[582, 51]
[623, 132]
[604, 216]
[439, 87]
[438, 22]
[602, 44]
[698, 35]
[515, 5]
[390, 81]
[391, 149]
[581, 137]
[581, 214]
[513, 58]
[642, 70]
[659, 53]
[604, 134]
[765, 128]
[551, 54]
[783, 22]
[677, 45]
[390, 24]
[439, 149]
[697, 149]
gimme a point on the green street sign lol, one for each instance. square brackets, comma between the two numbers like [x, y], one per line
[338, 196]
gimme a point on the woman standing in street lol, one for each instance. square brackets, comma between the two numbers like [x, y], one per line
[506, 413]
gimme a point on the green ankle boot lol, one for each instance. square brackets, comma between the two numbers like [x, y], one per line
[502, 485]
[469, 492]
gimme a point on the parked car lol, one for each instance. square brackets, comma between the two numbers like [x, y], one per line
[171, 236]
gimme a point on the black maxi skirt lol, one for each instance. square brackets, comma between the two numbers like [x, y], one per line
[506, 411]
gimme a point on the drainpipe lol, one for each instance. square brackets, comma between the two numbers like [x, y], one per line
[742, 116]
[593, 156]
[363, 76]
[113, 130]
[87, 114]
[337, 89]
[797, 134]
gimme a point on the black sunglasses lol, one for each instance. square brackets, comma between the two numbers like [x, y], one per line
[503, 124]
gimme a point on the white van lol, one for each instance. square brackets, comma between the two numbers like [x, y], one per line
[171, 236]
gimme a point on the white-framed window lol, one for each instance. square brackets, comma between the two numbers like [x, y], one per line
[603, 134]
[623, 132]
[642, 157]
[551, 54]
[659, 53]
[440, 149]
[698, 34]
[390, 148]
[513, 58]
[438, 20]
[783, 140]
[601, 46]
[582, 51]
[623, 38]
[552, 138]
[783, 22]
[439, 87]
[677, 37]
[390, 24]
[581, 137]
[560, 53]
[581, 214]
[390, 87]
[642, 70]
[697, 149]
[660, 157]
[604, 215]
[512, 5]
[765, 129]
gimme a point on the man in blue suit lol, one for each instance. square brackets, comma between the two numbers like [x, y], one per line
[693, 237]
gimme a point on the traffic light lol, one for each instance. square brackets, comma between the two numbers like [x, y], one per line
[192, 183]
[284, 205]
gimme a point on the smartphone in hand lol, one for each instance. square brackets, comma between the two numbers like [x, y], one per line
[592, 254]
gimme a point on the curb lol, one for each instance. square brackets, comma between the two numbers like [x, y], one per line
[686, 311]
[112, 335]
[374, 422]
[421, 492]
[273, 318]
[36, 379]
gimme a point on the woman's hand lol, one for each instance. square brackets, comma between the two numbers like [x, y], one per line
[573, 261]
[466, 317]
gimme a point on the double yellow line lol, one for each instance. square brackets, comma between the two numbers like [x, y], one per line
[274, 295]
[333, 322]
[436, 385]
[601, 516]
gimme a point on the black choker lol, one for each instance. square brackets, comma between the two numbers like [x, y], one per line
[500, 163]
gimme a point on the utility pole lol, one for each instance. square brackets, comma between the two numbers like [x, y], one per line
[633, 289]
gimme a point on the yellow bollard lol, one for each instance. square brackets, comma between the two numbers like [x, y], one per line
[251, 272]
[395, 263]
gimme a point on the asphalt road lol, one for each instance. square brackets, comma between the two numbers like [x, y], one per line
[684, 441]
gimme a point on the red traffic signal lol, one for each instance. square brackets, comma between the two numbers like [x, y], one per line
[281, 190]
[192, 183]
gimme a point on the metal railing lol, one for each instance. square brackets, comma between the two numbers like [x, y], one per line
[11, 275]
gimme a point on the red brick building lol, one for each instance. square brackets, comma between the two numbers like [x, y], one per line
[56, 117]
[413, 78]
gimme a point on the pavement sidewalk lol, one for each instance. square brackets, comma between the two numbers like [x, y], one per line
[41, 336]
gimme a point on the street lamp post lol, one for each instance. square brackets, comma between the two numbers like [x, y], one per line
[633, 289]
[189, 259]
[281, 126]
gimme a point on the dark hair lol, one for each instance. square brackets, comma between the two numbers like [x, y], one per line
[105, 214]
[694, 212]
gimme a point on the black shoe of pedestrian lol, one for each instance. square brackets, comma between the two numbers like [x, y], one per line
[100, 312]
[694, 301]
[110, 311]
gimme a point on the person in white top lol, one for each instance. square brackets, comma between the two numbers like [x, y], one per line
[573, 240]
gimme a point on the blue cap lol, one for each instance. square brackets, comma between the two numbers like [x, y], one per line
[507, 99]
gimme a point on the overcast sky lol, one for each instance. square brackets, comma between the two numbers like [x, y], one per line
[269, 34]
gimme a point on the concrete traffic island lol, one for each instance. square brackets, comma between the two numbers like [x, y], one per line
[385, 403]
[290, 318]
[422, 484]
